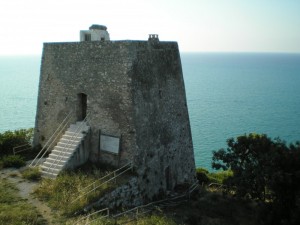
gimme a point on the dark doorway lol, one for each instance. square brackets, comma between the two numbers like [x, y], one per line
[81, 106]
[168, 178]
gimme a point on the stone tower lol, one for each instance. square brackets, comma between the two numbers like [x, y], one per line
[133, 95]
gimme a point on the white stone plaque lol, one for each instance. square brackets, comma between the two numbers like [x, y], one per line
[109, 144]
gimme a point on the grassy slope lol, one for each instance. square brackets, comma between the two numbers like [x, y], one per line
[14, 210]
[204, 208]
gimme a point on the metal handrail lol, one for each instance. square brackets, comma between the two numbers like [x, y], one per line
[113, 178]
[107, 175]
[55, 135]
[15, 151]
[62, 152]
[105, 182]
[89, 215]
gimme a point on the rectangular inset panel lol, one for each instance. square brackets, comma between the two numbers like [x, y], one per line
[109, 144]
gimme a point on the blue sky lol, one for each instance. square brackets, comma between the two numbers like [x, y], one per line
[197, 25]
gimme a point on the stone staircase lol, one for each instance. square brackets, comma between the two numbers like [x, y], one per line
[70, 151]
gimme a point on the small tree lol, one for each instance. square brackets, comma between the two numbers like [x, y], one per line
[263, 167]
[250, 160]
[285, 183]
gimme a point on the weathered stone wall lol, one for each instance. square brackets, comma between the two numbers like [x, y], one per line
[97, 69]
[164, 155]
[127, 195]
[135, 90]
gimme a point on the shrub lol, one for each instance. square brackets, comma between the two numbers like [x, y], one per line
[206, 177]
[11, 139]
[265, 170]
[220, 177]
[13, 161]
[202, 175]
[32, 174]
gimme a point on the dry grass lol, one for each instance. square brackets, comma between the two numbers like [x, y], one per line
[152, 219]
[13, 209]
[32, 174]
[63, 192]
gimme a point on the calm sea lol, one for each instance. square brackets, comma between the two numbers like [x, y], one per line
[229, 94]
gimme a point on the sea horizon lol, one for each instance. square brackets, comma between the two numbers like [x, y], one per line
[228, 94]
[181, 52]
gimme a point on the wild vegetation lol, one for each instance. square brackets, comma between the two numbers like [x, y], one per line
[16, 161]
[206, 177]
[10, 139]
[32, 174]
[264, 170]
[64, 193]
[151, 219]
[259, 183]
[13, 209]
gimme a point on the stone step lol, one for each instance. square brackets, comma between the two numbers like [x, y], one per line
[82, 124]
[64, 149]
[78, 128]
[65, 141]
[54, 162]
[73, 135]
[53, 169]
[49, 174]
[62, 153]
[58, 157]
[49, 167]
[51, 161]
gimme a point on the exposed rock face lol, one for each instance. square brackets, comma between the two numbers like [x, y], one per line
[131, 90]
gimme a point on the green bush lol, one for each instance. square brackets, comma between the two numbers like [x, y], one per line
[32, 174]
[11, 139]
[266, 170]
[202, 175]
[220, 177]
[13, 161]
[205, 177]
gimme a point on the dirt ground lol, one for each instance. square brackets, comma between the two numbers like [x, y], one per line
[26, 188]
